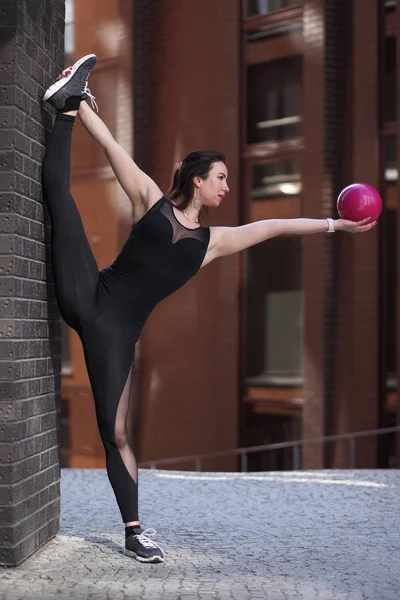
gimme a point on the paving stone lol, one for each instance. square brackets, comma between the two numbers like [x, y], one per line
[320, 535]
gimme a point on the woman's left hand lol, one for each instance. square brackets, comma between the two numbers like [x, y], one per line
[354, 226]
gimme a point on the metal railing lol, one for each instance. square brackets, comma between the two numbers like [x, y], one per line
[296, 445]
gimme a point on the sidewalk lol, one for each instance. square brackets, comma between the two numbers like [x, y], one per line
[326, 535]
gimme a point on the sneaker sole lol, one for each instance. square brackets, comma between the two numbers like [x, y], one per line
[152, 559]
[58, 85]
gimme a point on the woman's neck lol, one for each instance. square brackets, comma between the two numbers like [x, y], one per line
[191, 212]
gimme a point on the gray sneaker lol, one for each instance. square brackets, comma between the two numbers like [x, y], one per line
[74, 84]
[141, 547]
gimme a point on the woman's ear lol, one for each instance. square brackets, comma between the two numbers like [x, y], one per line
[197, 181]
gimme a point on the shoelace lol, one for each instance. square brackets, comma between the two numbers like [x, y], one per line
[91, 97]
[146, 541]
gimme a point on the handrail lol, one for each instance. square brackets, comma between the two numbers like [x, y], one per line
[242, 452]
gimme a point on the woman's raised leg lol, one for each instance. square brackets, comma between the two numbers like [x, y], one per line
[75, 270]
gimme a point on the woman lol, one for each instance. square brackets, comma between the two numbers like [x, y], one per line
[166, 247]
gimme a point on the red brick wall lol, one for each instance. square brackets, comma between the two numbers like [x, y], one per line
[189, 348]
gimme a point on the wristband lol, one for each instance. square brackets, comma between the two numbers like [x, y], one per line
[331, 226]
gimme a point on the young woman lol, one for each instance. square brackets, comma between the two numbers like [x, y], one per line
[166, 247]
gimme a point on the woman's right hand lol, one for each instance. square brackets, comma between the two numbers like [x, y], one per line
[354, 226]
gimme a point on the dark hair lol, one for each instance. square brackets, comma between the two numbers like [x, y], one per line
[198, 162]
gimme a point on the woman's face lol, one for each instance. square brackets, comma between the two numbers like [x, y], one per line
[211, 191]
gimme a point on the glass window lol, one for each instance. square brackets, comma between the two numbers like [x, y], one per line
[65, 433]
[389, 149]
[274, 324]
[272, 429]
[389, 217]
[276, 179]
[66, 365]
[69, 38]
[263, 7]
[390, 5]
[274, 100]
[390, 84]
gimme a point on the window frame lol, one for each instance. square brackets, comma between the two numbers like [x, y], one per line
[289, 15]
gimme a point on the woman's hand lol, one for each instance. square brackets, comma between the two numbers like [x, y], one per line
[354, 226]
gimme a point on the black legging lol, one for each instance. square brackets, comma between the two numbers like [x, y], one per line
[87, 302]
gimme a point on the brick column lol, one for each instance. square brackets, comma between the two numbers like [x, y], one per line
[30, 54]
[340, 272]
[397, 249]
[357, 341]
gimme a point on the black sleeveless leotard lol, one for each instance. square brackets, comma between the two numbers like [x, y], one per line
[109, 308]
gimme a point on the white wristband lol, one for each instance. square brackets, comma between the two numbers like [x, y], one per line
[331, 226]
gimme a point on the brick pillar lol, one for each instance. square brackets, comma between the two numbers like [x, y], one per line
[340, 272]
[357, 341]
[397, 249]
[30, 54]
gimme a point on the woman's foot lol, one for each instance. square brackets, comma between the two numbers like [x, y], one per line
[71, 86]
[140, 546]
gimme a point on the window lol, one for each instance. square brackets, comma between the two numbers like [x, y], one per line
[390, 5]
[263, 7]
[390, 83]
[274, 313]
[276, 179]
[389, 217]
[273, 310]
[65, 433]
[274, 100]
[66, 365]
[272, 429]
[69, 37]
[390, 166]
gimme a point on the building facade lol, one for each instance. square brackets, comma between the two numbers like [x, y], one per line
[297, 337]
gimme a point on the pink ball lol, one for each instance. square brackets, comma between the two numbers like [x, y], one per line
[359, 201]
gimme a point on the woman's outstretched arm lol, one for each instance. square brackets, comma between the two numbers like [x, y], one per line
[228, 240]
[139, 187]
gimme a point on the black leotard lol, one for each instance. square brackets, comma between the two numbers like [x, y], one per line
[159, 256]
[109, 308]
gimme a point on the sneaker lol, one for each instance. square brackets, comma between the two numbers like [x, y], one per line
[74, 84]
[141, 547]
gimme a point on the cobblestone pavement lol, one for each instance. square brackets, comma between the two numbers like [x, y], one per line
[278, 536]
